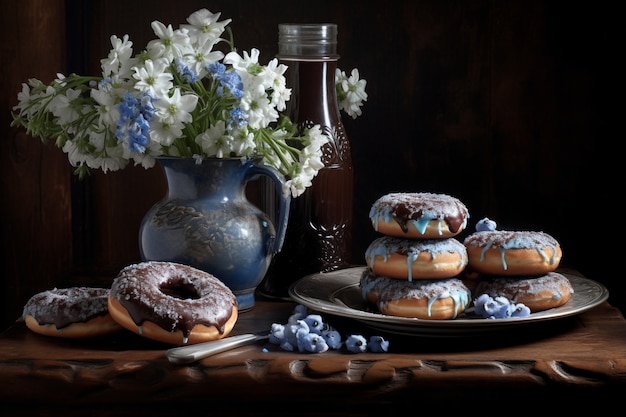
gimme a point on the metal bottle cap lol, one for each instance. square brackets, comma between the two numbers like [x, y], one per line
[313, 40]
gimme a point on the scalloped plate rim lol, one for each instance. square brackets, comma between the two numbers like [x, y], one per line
[325, 292]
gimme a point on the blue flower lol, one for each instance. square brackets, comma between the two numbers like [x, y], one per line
[230, 80]
[187, 73]
[134, 121]
[238, 118]
[198, 90]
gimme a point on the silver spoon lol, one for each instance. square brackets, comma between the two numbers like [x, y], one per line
[192, 353]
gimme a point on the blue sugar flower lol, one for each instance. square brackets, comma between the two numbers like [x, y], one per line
[479, 304]
[499, 308]
[333, 338]
[299, 313]
[315, 323]
[311, 342]
[378, 344]
[292, 330]
[277, 333]
[356, 344]
[520, 310]
[486, 225]
[309, 333]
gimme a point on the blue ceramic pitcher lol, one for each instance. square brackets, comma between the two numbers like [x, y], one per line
[206, 221]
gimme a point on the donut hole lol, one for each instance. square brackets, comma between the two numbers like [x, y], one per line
[177, 288]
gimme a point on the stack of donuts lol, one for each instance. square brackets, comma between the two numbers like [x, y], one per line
[163, 301]
[516, 265]
[413, 268]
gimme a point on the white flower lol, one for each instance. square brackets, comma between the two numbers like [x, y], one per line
[119, 61]
[170, 43]
[350, 92]
[216, 141]
[107, 109]
[243, 142]
[276, 81]
[245, 62]
[176, 110]
[203, 56]
[204, 27]
[62, 106]
[182, 96]
[152, 77]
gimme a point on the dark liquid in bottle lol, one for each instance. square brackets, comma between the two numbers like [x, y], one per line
[319, 232]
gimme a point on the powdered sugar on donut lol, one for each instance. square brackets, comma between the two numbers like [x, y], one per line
[145, 290]
[64, 306]
[505, 240]
[522, 289]
[411, 248]
[419, 209]
[432, 290]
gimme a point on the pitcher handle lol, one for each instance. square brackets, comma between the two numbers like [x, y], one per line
[284, 202]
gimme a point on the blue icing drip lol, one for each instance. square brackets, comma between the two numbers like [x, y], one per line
[522, 242]
[431, 301]
[410, 259]
[385, 246]
[376, 216]
[385, 215]
[482, 253]
[421, 224]
[376, 250]
[504, 265]
[460, 298]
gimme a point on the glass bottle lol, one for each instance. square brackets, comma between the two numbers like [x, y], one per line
[319, 231]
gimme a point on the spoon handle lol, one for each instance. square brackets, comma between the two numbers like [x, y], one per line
[192, 353]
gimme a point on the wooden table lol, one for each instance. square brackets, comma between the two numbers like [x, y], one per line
[560, 364]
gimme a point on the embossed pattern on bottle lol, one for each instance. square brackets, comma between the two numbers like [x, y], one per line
[319, 231]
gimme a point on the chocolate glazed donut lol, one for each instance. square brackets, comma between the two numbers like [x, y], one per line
[419, 215]
[172, 303]
[77, 312]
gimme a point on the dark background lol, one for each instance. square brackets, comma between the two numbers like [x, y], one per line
[514, 107]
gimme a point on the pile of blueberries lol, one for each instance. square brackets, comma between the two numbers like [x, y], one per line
[306, 332]
[499, 308]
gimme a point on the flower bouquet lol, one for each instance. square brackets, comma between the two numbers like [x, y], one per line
[181, 96]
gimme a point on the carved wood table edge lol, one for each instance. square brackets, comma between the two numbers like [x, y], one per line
[583, 355]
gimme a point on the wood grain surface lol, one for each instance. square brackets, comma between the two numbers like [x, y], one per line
[575, 360]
